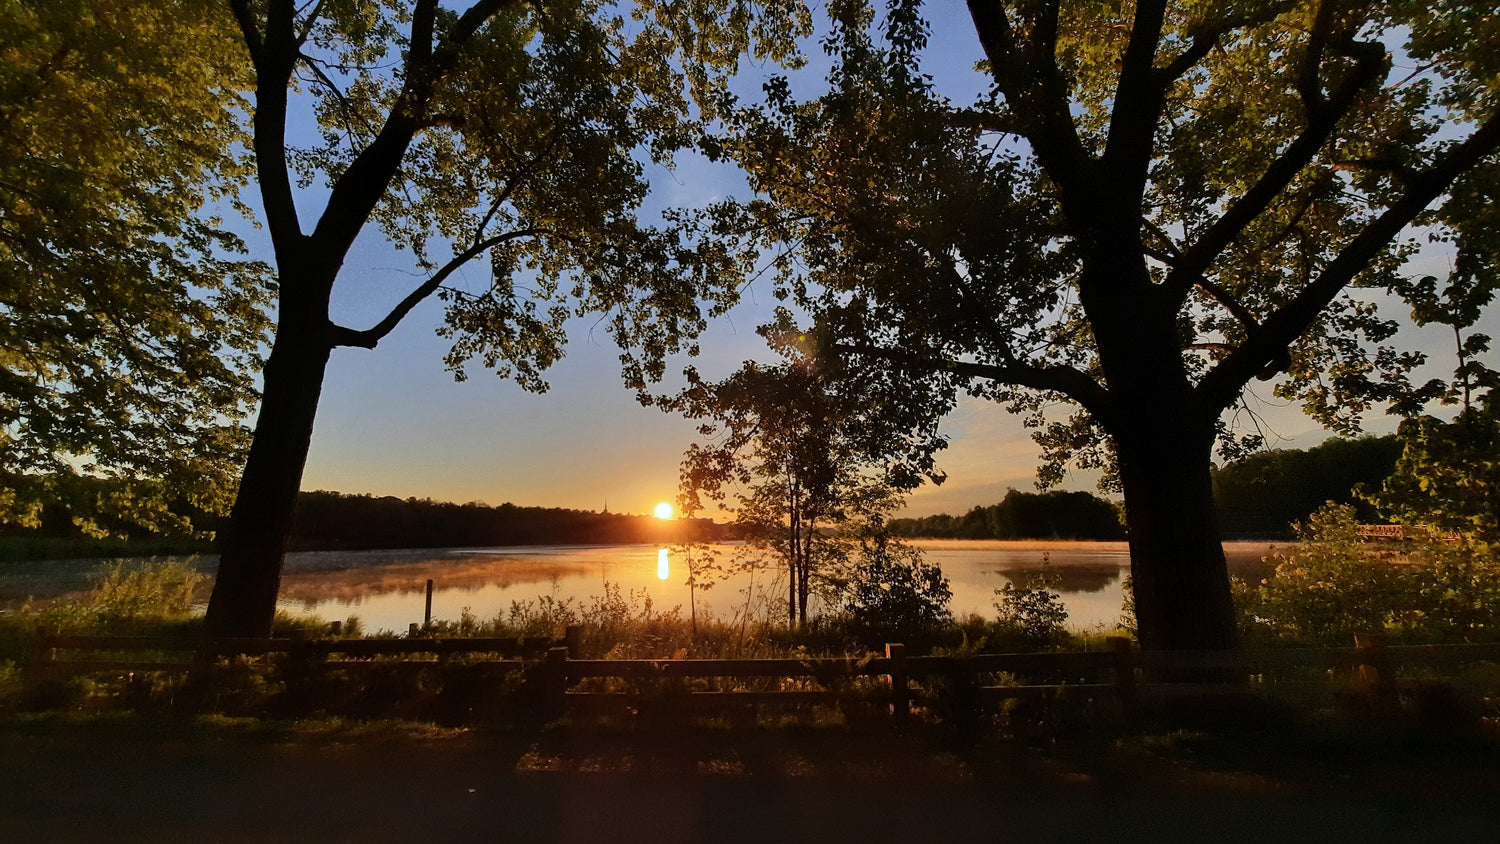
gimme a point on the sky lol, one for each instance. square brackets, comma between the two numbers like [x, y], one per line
[394, 422]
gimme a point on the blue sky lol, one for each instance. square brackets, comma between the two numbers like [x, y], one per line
[393, 421]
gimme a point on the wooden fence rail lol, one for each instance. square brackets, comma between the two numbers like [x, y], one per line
[1122, 673]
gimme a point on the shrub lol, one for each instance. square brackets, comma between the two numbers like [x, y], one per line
[1334, 586]
[1031, 616]
[894, 592]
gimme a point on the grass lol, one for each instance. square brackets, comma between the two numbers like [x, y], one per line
[17, 548]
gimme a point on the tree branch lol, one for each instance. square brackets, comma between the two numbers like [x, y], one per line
[1282, 328]
[309, 22]
[1038, 97]
[275, 56]
[1062, 379]
[362, 185]
[368, 338]
[248, 28]
[1138, 99]
[1298, 155]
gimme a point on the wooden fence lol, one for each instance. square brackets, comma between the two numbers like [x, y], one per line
[895, 681]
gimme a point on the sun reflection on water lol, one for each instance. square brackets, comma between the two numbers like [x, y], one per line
[662, 572]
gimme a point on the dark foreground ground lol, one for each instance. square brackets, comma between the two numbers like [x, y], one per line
[128, 780]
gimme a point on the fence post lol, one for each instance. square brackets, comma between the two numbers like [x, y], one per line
[336, 629]
[571, 637]
[299, 668]
[555, 680]
[412, 630]
[427, 614]
[1124, 667]
[39, 668]
[895, 654]
[1375, 672]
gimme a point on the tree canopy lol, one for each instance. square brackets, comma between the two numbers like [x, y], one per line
[502, 132]
[1155, 205]
[800, 457]
[1266, 494]
[129, 326]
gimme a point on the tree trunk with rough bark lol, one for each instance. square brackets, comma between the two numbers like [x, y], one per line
[1177, 564]
[243, 603]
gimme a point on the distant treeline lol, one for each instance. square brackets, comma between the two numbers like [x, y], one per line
[332, 520]
[1261, 496]
[1024, 515]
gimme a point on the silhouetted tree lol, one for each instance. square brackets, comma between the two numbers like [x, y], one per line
[800, 457]
[1156, 205]
[513, 132]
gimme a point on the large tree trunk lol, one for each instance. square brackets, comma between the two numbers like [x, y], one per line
[1181, 581]
[243, 603]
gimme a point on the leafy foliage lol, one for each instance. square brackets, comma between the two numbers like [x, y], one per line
[891, 591]
[1448, 475]
[1266, 494]
[1031, 616]
[1334, 586]
[129, 329]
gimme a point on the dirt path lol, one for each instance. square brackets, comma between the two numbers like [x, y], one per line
[133, 782]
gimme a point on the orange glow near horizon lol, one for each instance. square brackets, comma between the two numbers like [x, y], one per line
[663, 510]
[662, 572]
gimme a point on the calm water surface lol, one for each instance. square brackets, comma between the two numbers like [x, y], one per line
[387, 589]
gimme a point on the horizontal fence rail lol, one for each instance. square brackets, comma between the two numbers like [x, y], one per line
[1123, 672]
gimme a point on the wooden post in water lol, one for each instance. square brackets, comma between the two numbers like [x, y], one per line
[336, 629]
[413, 630]
[427, 616]
[900, 692]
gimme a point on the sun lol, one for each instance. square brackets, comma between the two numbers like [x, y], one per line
[663, 510]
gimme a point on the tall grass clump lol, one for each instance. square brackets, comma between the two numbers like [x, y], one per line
[125, 598]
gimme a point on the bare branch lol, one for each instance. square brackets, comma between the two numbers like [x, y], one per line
[367, 339]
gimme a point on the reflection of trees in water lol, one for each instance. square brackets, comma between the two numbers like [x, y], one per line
[1246, 563]
[1073, 577]
[352, 583]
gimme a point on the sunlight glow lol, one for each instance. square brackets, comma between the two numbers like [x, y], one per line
[662, 572]
[663, 510]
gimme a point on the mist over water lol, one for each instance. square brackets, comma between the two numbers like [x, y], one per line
[387, 589]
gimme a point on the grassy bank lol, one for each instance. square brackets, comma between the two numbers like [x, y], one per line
[25, 548]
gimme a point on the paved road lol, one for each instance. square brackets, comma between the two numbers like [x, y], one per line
[754, 787]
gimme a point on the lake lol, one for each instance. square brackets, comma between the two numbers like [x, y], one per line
[386, 589]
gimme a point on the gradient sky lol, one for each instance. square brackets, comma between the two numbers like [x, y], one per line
[393, 422]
